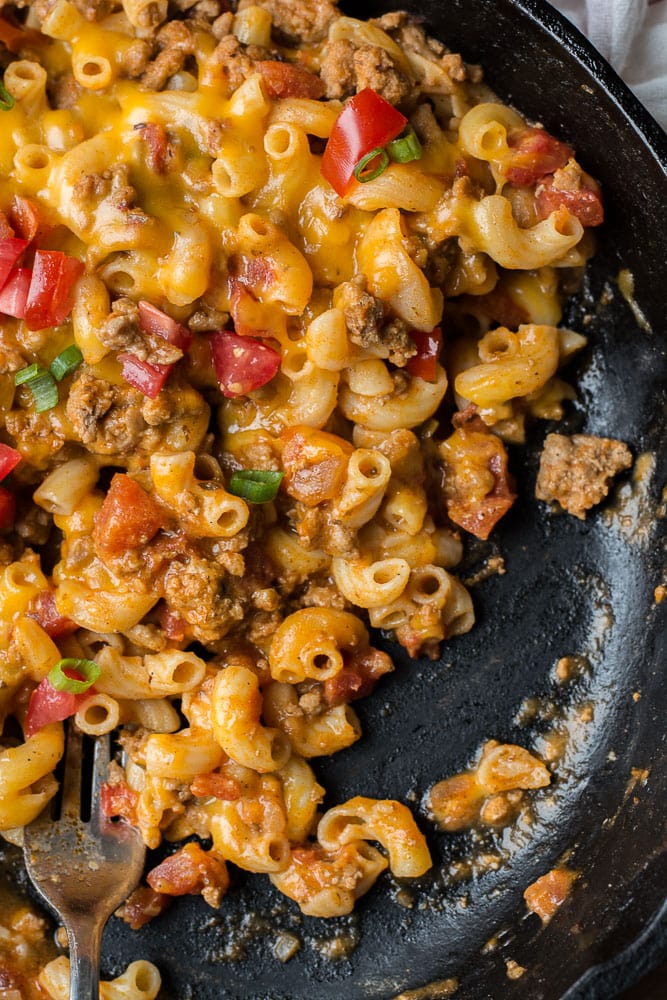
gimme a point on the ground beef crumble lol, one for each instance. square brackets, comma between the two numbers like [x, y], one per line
[368, 325]
[577, 471]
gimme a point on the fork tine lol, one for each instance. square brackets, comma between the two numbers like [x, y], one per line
[101, 758]
[71, 794]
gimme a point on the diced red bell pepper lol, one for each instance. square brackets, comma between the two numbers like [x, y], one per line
[43, 609]
[366, 122]
[147, 378]
[423, 363]
[10, 251]
[535, 154]
[9, 459]
[14, 294]
[49, 705]
[25, 217]
[241, 363]
[7, 509]
[153, 320]
[283, 79]
[50, 298]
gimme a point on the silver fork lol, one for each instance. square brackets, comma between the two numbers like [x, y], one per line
[83, 870]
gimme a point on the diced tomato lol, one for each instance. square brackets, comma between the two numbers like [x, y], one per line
[423, 363]
[14, 295]
[7, 509]
[585, 202]
[358, 677]
[315, 464]
[219, 786]
[283, 79]
[153, 320]
[128, 518]
[241, 364]
[479, 489]
[144, 376]
[189, 870]
[10, 251]
[142, 905]
[25, 217]
[9, 459]
[43, 609]
[119, 800]
[175, 627]
[535, 153]
[366, 122]
[50, 298]
[251, 318]
[6, 231]
[15, 38]
[159, 149]
[48, 705]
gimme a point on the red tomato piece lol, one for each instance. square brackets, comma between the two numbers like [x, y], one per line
[128, 518]
[25, 217]
[10, 251]
[7, 509]
[535, 153]
[15, 38]
[159, 150]
[220, 786]
[14, 295]
[423, 363]
[287, 80]
[153, 320]
[190, 870]
[175, 627]
[48, 705]
[43, 609]
[585, 202]
[119, 800]
[241, 364]
[50, 299]
[366, 122]
[142, 905]
[9, 459]
[147, 378]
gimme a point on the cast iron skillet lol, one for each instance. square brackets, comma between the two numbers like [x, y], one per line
[570, 588]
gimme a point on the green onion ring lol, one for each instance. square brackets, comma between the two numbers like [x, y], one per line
[59, 680]
[379, 154]
[406, 147]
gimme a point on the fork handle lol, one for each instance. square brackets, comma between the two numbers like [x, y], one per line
[84, 936]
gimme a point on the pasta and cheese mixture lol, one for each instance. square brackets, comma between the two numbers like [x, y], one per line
[277, 289]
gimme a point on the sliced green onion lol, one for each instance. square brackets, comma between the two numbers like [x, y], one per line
[406, 147]
[66, 362]
[6, 100]
[41, 384]
[27, 374]
[88, 670]
[255, 485]
[365, 171]
[44, 391]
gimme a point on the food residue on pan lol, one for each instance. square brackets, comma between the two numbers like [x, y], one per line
[633, 509]
[492, 793]
[514, 970]
[546, 895]
[439, 990]
[625, 280]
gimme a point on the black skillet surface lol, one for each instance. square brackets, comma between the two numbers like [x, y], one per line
[570, 588]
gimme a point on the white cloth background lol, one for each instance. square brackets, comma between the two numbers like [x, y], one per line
[632, 36]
